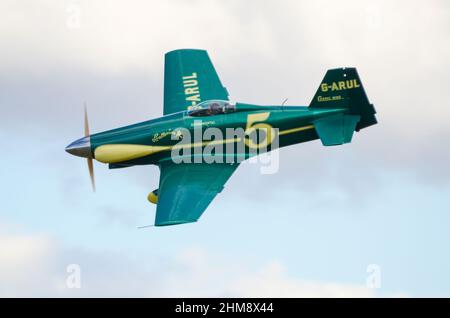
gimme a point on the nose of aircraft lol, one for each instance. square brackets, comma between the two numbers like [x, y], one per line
[80, 147]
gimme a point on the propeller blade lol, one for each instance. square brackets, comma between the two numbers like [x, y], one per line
[89, 160]
[91, 172]
[86, 121]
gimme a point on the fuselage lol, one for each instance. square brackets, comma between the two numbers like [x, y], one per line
[154, 140]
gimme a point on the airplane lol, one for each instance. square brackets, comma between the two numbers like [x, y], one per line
[194, 98]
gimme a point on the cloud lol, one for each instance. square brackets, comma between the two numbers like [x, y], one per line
[209, 274]
[264, 53]
[113, 37]
[272, 280]
[25, 261]
[36, 266]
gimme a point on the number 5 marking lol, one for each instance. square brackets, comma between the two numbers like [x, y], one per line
[251, 127]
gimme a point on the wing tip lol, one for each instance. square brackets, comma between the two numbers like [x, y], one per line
[174, 222]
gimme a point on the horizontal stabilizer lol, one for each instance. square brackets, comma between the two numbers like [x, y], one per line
[336, 130]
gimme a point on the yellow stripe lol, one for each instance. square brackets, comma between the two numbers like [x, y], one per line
[113, 153]
[293, 130]
[205, 143]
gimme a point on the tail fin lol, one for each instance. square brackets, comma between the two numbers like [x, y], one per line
[342, 88]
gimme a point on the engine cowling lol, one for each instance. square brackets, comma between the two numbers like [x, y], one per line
[153, 197]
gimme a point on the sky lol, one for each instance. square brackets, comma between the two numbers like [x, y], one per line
[367, 219]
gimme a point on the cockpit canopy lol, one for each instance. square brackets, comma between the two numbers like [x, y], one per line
[212, 107]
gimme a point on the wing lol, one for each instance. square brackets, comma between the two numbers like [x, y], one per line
[186, 190]
[190, 78]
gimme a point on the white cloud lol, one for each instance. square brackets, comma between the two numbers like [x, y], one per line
[24, 264]
[272, 280]
[34, 266]
[208, 274]
[19, 250]
[116, 37]
[264, 51]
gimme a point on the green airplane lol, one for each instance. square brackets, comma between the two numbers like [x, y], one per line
[194, 171]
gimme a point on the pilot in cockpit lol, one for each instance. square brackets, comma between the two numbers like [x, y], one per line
[210, 108]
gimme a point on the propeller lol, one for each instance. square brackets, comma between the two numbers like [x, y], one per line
[89, 160]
